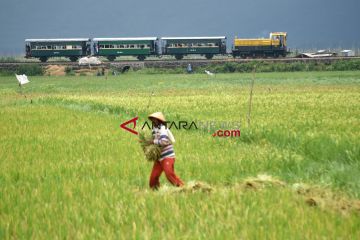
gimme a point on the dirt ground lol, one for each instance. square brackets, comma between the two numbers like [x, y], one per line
[57, 70]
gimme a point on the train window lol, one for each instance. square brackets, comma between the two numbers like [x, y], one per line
[131, 46]
[111, 46]
[48, 47]
[148, 45]
[142, 46]
[43, 47]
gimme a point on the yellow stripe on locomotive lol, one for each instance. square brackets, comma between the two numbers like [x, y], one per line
[276, 39]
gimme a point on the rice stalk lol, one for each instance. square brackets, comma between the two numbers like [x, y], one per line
[152, 152]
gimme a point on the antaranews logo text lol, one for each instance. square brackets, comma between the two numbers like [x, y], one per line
[219, 129]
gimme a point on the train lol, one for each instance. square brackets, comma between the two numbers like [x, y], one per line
[144, 47]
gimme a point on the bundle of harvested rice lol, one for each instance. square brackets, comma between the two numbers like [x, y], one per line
[327, 198]
[189, 187]
[152, 152]
[194, 186]
[262, 180]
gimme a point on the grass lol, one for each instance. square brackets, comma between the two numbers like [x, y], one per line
[69, 171]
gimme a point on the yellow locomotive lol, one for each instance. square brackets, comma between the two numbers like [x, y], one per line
[274, 46]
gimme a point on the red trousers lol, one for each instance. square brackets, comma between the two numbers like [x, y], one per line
[166, 165]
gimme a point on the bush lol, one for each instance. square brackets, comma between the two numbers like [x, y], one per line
[30, 70]
[7, 59]
[346, 65]
[69, 71]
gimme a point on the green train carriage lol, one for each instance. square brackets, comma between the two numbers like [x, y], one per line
[182, 46]
[43, 49]
[140, 47]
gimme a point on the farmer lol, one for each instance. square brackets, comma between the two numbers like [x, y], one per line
[164, 138]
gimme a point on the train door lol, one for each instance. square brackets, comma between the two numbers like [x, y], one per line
[27, 50]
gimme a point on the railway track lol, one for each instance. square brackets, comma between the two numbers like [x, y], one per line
[162, 62]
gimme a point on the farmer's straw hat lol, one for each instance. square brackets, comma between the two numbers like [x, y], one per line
[158, 116]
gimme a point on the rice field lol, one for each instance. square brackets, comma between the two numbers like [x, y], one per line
[69, 171]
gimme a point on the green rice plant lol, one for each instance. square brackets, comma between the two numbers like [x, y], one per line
[69, 171]
[152, 152]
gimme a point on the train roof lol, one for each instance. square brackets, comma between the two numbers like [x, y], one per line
[193, 38]
[127, 39]
[58, 40]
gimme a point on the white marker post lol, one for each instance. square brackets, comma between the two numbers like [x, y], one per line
[209, 73]
[22, 79]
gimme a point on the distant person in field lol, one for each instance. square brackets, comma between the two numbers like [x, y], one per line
[164, 138]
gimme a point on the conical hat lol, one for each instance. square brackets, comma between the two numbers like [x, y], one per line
[157, 115]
